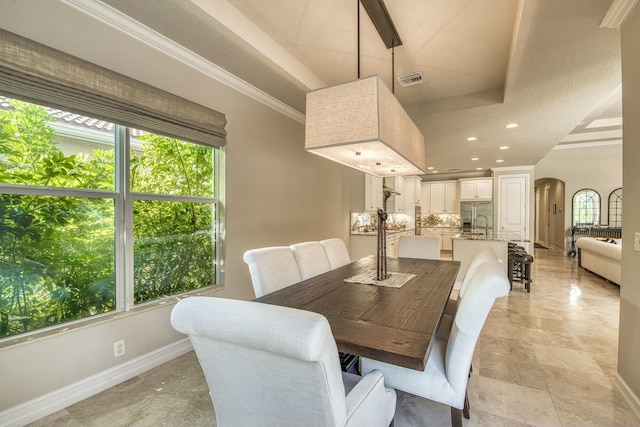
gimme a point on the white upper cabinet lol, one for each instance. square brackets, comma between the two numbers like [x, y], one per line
[425, 197]
[437, 197]
[442, 197]
[372, 193]
[417, 190]
[476, 189]
[396, 203]
[412, 193]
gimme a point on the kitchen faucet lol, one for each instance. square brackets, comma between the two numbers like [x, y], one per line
[486, 225]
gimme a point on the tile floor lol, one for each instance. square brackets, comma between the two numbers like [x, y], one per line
[547, 358]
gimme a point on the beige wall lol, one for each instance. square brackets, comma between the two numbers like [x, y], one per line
[629, 342]
[276, 194]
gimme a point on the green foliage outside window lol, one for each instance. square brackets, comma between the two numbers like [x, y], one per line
[57, 252]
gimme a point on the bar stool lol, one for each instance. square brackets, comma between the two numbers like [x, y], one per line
[512, 266]
[522, 269]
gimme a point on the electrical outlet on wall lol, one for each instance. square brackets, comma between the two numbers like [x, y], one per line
[118, 348]
[636, 241]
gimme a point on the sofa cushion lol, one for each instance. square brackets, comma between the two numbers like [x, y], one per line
[602, 247]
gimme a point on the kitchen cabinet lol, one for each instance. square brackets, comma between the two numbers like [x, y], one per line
[476, 189]
[372, 193]
[396, 203]
[412, 193]
[442, 197]
[445, 234]
[425, 197]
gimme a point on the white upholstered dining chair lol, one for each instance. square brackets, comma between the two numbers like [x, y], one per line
[445, 377]
[481, 255]
[311, 258]
[271, 269]
[424, 247]
[337, 252]
[268, 365]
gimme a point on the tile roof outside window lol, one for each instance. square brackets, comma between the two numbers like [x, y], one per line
[76, 119]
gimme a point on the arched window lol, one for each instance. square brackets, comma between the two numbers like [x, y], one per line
[586, 208]
[615, 208]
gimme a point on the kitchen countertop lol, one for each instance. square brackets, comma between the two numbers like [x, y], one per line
[375, 233]
[449, 227]
[492, 235]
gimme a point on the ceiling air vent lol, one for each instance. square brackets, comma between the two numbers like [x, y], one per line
[411, 79]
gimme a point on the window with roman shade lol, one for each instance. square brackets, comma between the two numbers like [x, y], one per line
[109, 190]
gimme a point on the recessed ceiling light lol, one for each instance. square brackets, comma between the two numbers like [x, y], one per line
[511, 125]
[499, 161]
[478, 169]
[434, 171]
[504, 147]
[475, 158]
[430, 168]
[472, 138]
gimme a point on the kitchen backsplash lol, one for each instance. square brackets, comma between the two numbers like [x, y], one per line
[367, 222]
[441, 220]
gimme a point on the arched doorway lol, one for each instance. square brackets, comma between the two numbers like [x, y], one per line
[550, 213]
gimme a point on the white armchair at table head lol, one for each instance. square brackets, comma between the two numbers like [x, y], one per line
[268, 365]
[445, 377]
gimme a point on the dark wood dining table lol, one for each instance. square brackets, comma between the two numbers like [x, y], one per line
[393, 325]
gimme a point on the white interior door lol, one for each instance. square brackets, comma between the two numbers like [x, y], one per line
[513, 206]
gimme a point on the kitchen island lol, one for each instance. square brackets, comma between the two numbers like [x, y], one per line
[466, 244]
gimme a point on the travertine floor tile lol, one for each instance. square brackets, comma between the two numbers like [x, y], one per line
[523, 405]
[545, 358]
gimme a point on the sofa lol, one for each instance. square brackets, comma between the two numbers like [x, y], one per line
[601, 256]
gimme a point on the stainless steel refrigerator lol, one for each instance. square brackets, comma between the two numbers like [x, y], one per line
[474, 214]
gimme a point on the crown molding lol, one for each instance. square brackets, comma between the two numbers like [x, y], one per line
[513, 168]
[123, 23]
[568, 146]
[617, 13]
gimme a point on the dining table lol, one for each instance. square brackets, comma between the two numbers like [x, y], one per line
[396, 325]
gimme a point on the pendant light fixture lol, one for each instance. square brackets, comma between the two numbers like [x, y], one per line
[360, 123]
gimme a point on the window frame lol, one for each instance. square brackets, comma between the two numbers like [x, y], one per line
[618, 207]
[123, 201]
[596, 205]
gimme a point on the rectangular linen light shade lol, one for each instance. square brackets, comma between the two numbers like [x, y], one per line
[361, 124]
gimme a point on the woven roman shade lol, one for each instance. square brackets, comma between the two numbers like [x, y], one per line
[42, 75]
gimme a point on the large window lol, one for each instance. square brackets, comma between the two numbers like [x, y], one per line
[615, 208]
[586, 208]
[72, 189]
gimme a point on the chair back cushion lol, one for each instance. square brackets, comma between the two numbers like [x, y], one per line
[272, 269]
[311, 258]
[336, 252]
[265, 365]
[481, 255]
[424, 247]
[489, 282]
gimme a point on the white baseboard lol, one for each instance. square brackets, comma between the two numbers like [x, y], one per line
[629, 397]
[66, 396]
